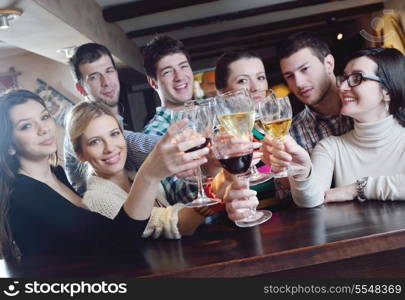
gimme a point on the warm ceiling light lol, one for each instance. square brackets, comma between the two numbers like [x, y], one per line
[7, 15]
[339, 36]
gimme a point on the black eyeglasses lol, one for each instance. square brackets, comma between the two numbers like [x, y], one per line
[355, 79]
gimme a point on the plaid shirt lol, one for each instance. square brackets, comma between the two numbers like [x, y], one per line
[177, 190]
[160, 122]
[308, 128]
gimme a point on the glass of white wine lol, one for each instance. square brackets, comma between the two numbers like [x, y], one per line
[236, 116]
[276, 117]
[257, 177]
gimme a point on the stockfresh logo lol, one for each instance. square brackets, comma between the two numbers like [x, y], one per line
[375, 23]
[12, 290]
[65, 288]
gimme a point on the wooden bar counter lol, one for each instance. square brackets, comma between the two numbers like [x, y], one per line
[349, 239]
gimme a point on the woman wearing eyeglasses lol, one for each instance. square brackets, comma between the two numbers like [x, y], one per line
[368, 162]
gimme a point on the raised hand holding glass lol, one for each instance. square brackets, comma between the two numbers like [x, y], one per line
[200, 116]
[276, 117]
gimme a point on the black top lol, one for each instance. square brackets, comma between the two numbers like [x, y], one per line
[43, 221]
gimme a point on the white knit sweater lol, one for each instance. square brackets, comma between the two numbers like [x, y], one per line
[374, 149]
[106, 198]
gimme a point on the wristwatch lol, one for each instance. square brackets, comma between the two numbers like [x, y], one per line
[360, 186]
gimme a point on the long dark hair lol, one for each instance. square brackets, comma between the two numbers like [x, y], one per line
[223, 62]
[9, 163]
[391, 69]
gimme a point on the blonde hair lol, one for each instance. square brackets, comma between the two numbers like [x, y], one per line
[80, 117]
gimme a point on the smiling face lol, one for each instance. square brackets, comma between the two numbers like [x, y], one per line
[174, 80]
[103, 146]
[247, 73]
[100, 80]
[365, 102]
[307, 77]
[34, 131]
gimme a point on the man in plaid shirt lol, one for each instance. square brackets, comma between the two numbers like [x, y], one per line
[307, 66]
[169, 73]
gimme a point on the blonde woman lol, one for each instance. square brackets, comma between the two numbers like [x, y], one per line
[96, 136]
[40, 211]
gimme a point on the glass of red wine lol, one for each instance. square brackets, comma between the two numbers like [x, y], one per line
[208, 105]
[200, 115]
[232, 142]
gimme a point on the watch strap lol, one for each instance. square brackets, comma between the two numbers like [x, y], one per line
[360, 187]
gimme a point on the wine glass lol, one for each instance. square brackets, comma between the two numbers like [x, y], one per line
[276, 117]
[200, 116]
[236, 115]
[209, 108]
[257, 177]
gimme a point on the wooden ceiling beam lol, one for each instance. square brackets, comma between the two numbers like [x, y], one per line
[265, 38]
[270, 32]
[265, 41]
[224, 17]
[238, 33]
[136, 9]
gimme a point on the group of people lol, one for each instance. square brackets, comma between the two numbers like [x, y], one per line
[122, 186]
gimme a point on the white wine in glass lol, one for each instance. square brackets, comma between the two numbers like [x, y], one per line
[276, 117]
[257, 177]
[238, 124]
[277, 128]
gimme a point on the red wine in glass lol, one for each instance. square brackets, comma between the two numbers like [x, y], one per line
[237, 164]
[205, 144]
